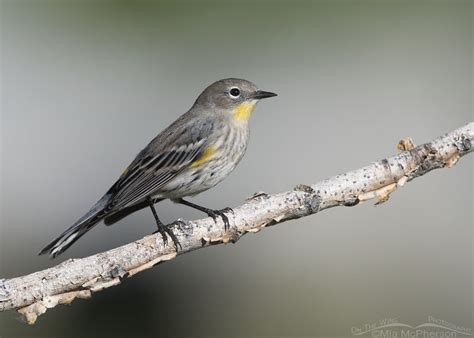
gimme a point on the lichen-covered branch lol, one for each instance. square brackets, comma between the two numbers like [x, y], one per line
[33, 294]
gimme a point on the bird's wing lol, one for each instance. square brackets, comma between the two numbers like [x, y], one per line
[171, 152]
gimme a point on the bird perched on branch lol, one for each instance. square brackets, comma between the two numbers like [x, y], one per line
[193, 154]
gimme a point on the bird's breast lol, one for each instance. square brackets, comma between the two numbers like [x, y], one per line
[215, 164]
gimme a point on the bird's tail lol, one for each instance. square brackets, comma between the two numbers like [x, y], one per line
[78, 229]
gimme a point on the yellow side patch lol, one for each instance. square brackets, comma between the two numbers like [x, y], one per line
[205, 157]
[244, 111]
[125, 172]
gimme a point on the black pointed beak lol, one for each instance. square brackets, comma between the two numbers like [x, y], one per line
[260, 94]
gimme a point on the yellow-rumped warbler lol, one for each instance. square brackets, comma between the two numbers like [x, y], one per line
[193, 154]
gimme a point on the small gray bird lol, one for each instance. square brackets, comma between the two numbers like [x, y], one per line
[193, 154]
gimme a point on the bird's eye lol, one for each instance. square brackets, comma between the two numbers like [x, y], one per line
[234, 92]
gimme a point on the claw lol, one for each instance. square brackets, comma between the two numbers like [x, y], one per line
[180, 223]
[163, 235]
[166, 231]
[228, 210]
[215, 213]
[210, 212]
[175, 240]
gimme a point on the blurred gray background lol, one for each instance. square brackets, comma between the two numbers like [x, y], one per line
[85, 85]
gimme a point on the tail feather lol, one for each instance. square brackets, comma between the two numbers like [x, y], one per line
[78, 229]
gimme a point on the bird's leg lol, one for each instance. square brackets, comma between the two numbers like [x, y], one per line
[210, 212]
[163, 229]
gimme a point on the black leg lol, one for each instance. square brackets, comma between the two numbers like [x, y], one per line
[117, 216]
[210, 212]
[163, 229]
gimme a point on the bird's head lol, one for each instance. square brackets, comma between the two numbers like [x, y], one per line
[235, 97]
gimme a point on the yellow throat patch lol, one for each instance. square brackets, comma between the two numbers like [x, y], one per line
[206, 156]
[244, 111]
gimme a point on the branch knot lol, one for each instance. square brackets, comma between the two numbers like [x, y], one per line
[312, 200]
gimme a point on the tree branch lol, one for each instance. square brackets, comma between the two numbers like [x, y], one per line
[33, 294]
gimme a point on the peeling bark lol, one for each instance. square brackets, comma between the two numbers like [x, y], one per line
[33, 294]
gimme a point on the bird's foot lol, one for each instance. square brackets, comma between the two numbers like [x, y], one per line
[222, 214]
[166, 230]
